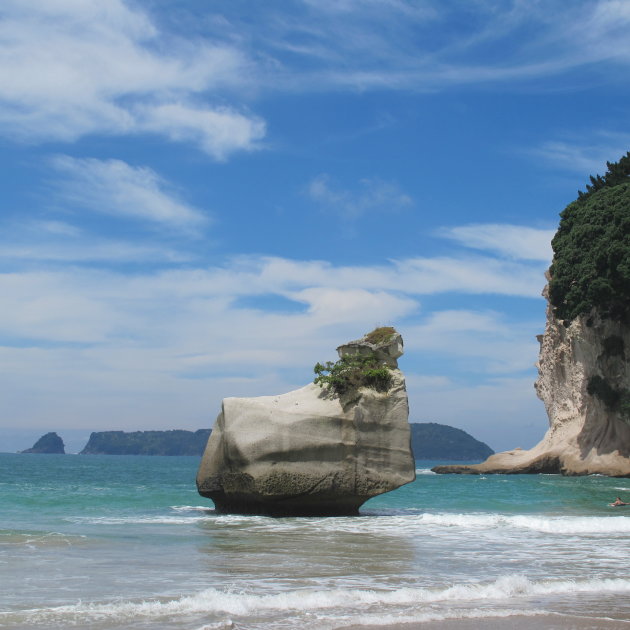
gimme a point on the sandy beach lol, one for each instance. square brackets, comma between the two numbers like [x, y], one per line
[515, 622]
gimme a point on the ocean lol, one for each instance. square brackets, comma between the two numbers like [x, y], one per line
[125, 542]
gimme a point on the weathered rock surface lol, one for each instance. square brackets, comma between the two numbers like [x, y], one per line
[309, 452]
[50, 444]
[585, 435]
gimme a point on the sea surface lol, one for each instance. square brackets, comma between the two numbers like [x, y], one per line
[125, 542]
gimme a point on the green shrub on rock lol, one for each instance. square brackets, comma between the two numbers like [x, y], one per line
[352, 372]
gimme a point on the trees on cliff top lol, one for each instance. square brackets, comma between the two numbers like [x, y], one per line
[591, 264]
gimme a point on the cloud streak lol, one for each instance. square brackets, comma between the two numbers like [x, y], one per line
[116, 188]
[510, 241]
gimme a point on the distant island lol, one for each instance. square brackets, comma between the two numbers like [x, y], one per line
[174, 442]
[49, 444]
[430, 440]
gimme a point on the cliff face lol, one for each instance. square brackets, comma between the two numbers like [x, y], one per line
[584, 376]
[311, 451]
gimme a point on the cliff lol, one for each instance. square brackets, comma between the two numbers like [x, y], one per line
[584, 360]
[320, 450]
[50, 443]
[430, 440]
[174, 442]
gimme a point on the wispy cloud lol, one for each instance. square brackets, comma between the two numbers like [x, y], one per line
[518, 242]
[107, 68]
[117, 188]
[584, 158]
[372, 195]
[111, 68]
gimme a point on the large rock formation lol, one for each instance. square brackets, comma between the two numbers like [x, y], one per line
[589, 432]
[49, 444]
[584, 363]
[311, 451]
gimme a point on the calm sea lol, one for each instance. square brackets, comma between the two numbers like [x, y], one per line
[105, 542]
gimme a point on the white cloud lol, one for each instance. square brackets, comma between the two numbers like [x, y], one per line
[575, 156]
[169, 345]
[483, 342]
[373, 195]
[114, 187]
[73, 68]
[161, 348]
[512, 241]
[217, 131]
[82, 250]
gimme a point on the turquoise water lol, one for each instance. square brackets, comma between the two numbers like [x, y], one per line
[126, 542]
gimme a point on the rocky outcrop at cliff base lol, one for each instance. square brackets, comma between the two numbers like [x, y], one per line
[311, 452]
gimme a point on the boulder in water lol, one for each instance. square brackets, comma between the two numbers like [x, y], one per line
[313, 451]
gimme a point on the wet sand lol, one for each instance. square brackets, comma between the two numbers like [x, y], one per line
[515, 622]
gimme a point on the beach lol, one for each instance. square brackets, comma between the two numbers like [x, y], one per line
[514, 622]
[119, 542]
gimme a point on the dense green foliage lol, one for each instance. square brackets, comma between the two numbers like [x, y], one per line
[350, 373]
[50, 443]
[591, 265]
[175, 442]
[430, 440]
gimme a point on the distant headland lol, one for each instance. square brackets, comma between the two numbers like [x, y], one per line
[429, 440]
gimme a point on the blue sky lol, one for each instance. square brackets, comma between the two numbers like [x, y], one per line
[203, 199]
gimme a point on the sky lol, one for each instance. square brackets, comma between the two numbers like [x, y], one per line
[202, 199]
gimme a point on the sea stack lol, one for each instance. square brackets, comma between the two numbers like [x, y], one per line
[50, 444]
[584, 360]
[323, 449]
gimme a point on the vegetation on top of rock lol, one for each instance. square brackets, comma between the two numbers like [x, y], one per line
[380, 335]
[50, 443]
[591, 264]
[174, 442]
[352, 372]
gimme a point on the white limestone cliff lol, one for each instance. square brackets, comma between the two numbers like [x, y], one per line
[308, 451]
[585, 435]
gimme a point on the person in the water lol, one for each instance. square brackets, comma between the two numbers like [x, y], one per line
[618, 502]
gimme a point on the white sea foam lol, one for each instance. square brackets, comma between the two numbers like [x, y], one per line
[424, 471]
[504, 590]
[593, 525]
[192, 508]
[139, 520]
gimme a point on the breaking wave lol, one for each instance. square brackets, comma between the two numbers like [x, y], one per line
[506, 590]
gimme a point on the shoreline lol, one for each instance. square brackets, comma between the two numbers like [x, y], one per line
[549, 621]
